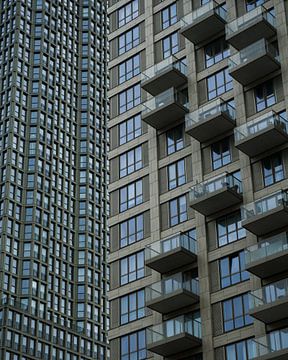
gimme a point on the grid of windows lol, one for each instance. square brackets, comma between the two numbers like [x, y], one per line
[131, 161]
[219, 83]
[132, 230]
[130, 129]
[221, 154]
[133, 346]
[177, 210]
[132, 307]
[236, 313]
[129, 40]
[169, 16]
[229, 229]
[273, 169]
[128, 12]
[176, 174]
[131, 195]
[132, 268]
[232, 269]
[170, 45]
[129, 98]
[129, 68]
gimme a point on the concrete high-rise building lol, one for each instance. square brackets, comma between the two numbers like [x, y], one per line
[54, 239]
[199, 179]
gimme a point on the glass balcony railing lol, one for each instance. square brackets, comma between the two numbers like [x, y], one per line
[266, 345]
[180, 325]
[170, 285]
[251, 52]
[263, 122]
[268, 294]
[208, 111]
[264, 205]
[270, 246]
[167, 97]
[163, 246]
[210, 186]
[190, 18]
[251, 17]
[168, 64]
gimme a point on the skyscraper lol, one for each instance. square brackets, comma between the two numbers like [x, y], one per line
[199, 173]
[53, 207]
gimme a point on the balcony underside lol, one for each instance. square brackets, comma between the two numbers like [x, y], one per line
[262, 141]
[164, 81]
[276, 355]
[269, 313]
[270, 265]
[204, 28]
[209, 128]
[250, 33]
[174, 345]
[255, 69]
[174, 301]
[216, 201]
[171, 260]
[266, 223]
[165, 116]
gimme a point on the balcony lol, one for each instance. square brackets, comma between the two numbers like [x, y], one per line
[262, 134]
[204, 23]
[165, 109]
[169, 254]
[168, 73]
[268, 257]
[273, 346]
[267, 214]
[174, 336]
[254, 62]
[210, 121]
[251, 27]
[216, 194]
[173, 293]
[270, 303]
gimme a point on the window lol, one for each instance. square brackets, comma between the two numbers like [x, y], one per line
[133, 346]
[129, 40]
[236, 313]
[129, 68]
[132, 307]
[177, 210]
[219, 83]
[132, 268]
[131, 230]
[130, 129]
[131, 195]
[131, 161]
[170, 45]
[221, 154]
[169, 16]
[252, 4]
[175, 139]
[216, 51]
[232, 269]
[264, 95]
[229, 229]
[129, 98]
[241, 350]
[128, 12]
[273, 170]
[176, 174]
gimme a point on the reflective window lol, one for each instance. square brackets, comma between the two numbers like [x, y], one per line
[132, 307]
[175, 139]
[216, 51]
[221, 154]
[241, 350]
[128, 12]
[229, 229]
[177, 210]
[129, 40]
[131, 161]
[129, 68]
[129, 98]
[236, 313]
[169, 16]
[264, 95]
[176, 174]
[132, 268]
[273, 169]
[232, 269]
[133, 346]
[252, 4]
[170, 45]
[131, 195]
[130, 129]
[131, 230]
[219, 83]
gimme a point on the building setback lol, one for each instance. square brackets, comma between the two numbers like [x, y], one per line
[53, 207]
[198, 191]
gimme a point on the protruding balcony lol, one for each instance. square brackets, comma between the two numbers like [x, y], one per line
[210, 121]
[173, 293]
[270, 303]
[268, 257]
[254, 62]
[165, 109]
[262, 134]
[171, 253]
[174, 336]
[216, 194]
[251, 27]
[170, 72]
[267, 214]
[273, 346]
[204, 23]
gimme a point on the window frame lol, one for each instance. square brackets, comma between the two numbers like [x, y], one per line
[168, 46]
[171, 18]
[239, 230]
[221, 155]
[264, 100]
[178, 180]
[135, 69]
[130, 135]
[232, 270]
[136, 236]
[176, 212]
[274, 173]
[134, 265]
[129, 98]
[141, 353]
[132, 13]
[132, 307]
[128, 40]
[176, 144]
[131, 161]
[219, 87]
[137, 197]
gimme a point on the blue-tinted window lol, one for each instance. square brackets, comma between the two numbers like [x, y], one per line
[132, 268]
[216, 51]
[219, 83]
[169, 16]
[177, 210]
[129, 98]
[132, 307]
[265, 95]
[129, 68]
[175, 139]
[176, 174]
[221, 154]
[128, 12]
[131, 195]
[170, 45]
[229, 229]
[236, 313]
[133, 346]
[232, 270]
[273, 169]
[131, 230]
[131, 161]
[129, 40]
[130, 129]
[242, 350]
[252, 4]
